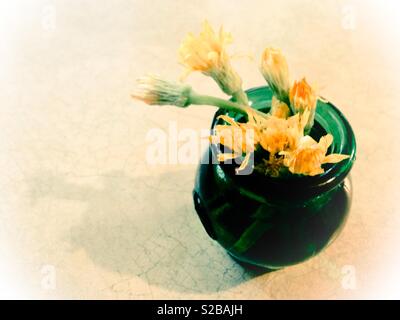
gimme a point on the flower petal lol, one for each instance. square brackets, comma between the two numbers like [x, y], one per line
[245, 163]
[222, 157]
[334, 158]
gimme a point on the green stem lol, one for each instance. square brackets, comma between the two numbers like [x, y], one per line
[251, 235]
[220, 103]
[217, 102]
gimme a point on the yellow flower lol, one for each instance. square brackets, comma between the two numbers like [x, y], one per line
[282, 134]
[207, 54]
[156, 91]
[279, 109]
[302, 97]
[284, 140]
[310, 155]
[275, 70]
[207, 51]
[240, 138]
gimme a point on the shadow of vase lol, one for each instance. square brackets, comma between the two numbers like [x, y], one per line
[146, 227]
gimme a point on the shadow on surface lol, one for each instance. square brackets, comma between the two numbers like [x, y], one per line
[146, 226]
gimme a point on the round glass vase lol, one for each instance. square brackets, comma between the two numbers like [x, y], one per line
[276, 222]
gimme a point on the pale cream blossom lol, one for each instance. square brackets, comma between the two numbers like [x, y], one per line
[207, 53]
[275, 70]
[279, 134]
[310, 155]
[239, 138]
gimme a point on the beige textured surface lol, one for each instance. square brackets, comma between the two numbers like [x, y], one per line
[82, 215]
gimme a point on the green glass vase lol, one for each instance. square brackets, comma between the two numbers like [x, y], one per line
[276, 222]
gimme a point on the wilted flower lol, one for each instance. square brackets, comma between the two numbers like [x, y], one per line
[156, 91]
[282, 134]
[239, 138]
[310, 155]
[207, 54]
[302, 97]
[284, 140]
[275, 70]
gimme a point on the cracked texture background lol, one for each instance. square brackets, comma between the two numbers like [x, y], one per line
[76, 193]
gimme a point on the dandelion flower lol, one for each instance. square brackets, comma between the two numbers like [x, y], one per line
[238, 138]
[207, 54]
[310, 155]
[282, 134]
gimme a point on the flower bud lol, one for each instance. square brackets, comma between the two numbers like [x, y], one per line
[302, 97]
[156, 91]
[275, 70]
